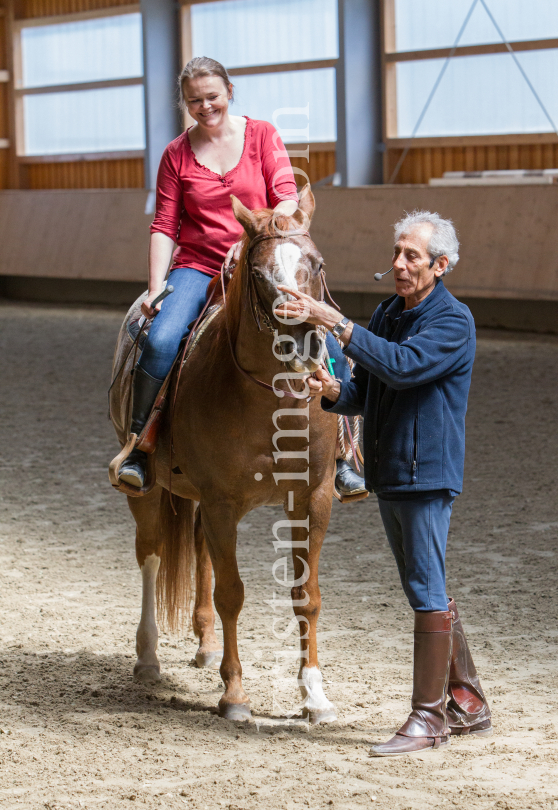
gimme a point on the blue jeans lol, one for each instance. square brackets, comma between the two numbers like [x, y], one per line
[170, 325]
[341, 370]
[417, 531]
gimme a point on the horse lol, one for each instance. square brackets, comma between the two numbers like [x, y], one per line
[239, 375]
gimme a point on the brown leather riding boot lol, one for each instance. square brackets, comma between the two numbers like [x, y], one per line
[467, 708]
[426, 727]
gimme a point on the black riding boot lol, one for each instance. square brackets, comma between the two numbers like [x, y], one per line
[144, 392]
[347, 482]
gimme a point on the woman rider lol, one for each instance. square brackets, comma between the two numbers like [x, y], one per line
[220, 155]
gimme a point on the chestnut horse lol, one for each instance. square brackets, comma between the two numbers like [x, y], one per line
[226, 433]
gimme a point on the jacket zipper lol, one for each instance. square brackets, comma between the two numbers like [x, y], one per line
[415, 452]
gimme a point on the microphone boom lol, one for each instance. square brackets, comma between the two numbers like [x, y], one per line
[378, 276]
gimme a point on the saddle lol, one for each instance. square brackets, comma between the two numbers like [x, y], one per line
[138, 330]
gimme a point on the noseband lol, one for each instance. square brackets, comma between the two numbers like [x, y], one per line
[257, 306]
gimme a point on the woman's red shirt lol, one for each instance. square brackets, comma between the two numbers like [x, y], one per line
[193, 202]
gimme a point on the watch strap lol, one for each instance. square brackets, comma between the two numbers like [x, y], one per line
[340, 327]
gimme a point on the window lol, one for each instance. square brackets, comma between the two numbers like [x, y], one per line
[280, 54]
[482, 91]
[80, 87]
[422, 24]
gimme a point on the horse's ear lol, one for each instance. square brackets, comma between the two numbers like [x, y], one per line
[244, 216]
[306, 206]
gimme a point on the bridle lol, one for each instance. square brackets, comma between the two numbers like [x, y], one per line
[257, 306]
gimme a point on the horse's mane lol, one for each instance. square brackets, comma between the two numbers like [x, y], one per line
[237, 289]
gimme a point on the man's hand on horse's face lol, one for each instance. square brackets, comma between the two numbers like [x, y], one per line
[307, 309]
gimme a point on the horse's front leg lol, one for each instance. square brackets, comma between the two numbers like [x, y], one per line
[219, 521]
[210, 650]
[148, 554]
[307, 601]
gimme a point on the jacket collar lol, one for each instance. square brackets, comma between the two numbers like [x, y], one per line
[393, 307]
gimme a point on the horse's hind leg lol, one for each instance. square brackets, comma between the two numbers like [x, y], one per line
[307, 602]
[219, 521]
[210, 650]
[148, 554]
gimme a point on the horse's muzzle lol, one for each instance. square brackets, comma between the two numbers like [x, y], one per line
[303, 355]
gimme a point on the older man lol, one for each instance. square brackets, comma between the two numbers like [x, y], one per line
[411, 382]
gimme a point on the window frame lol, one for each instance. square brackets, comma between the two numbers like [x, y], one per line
[391, 57]
[20, 92]
[294, 149]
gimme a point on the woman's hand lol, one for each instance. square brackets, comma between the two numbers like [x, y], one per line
[146, 308]
[232, 257]
[286, 207]
[323, 384]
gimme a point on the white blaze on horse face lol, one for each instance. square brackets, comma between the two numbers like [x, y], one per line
[310, 682]
[287, 257]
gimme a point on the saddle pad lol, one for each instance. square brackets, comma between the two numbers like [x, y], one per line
[133, 327]
[209, 316]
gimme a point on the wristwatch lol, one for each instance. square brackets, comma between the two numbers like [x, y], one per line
[340, 327]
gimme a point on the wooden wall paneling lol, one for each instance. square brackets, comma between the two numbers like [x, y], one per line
[525, 157]
[4, 97]
[427, 169]
[320, 165]
[536, 156]
[438, 162]
[29, 9]
[4, 176]
[491, 158]
[84, 174]
[502, 155]
[12, 166]
[417, 167]
[547, 156]
[476, 140]
[3, 55]
[422, 163]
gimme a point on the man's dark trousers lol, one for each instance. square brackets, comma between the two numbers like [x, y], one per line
[417, 531]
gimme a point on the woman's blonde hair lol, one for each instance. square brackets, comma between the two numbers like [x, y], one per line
[204, 66]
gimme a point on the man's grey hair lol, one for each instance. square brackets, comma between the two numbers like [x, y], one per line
[443, 240]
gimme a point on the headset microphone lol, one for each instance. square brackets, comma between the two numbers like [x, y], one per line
[378, 276]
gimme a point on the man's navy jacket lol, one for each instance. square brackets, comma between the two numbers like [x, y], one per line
[411, 383]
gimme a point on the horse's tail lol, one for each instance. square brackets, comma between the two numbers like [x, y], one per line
[174, 582]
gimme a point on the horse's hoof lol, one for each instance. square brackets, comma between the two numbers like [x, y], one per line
[147, 673]
[209, 659]
[316, 716]
[240, 712]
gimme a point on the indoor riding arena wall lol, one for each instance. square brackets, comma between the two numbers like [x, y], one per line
[52, 248]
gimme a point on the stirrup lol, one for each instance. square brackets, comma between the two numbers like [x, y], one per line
[123, 486]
